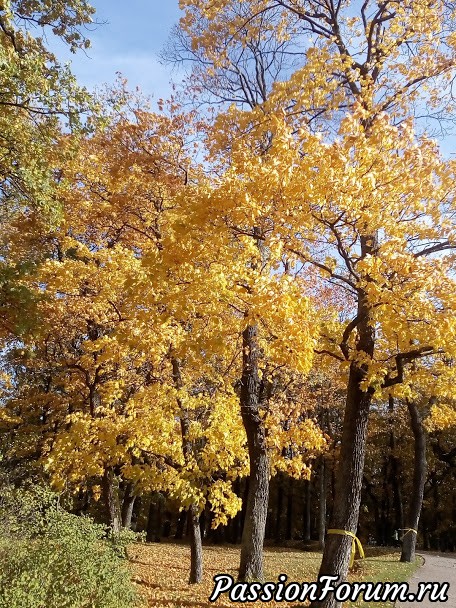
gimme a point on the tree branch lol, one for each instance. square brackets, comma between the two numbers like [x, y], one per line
[401, 359]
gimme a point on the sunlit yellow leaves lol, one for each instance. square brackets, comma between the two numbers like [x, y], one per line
[314, 212]
[442, 417]
[224, 502]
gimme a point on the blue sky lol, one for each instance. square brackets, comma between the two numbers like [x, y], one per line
[130, 36]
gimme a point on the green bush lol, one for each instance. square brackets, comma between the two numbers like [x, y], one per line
[53, 559]
[120, 540]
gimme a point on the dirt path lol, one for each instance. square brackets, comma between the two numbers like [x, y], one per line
[436, 568]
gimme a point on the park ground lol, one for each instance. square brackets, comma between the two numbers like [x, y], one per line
[439, 568]
[161, 570]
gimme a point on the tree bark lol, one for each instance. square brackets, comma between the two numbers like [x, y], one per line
[419, 480]
[112, 502]
[245, 496]
[395, 470]
[336, 555]
[251, 563]
[289, 517]
[347, 501]
[307, 510]
[128, 504]
[279, 509]
[196, 547]
[322, 505]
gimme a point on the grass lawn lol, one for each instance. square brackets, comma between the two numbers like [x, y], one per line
[162, 569]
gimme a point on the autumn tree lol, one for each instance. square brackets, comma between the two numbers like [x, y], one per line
[276, 332]
[39, 95]
[422, 406]
[245, 76]
[245, 68]
[387, 363]
[437, 518]
[383, 225]
[138, 302]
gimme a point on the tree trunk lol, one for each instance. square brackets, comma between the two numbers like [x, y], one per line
[245, 496]
[279, 509]
[307, 510]
[419, 480]
[436, 517]
[180, 527]
[347, 501]
[395, 469]
[385, 526]
[150, 536]
[251, 564]
[112, 502]
[155, 517]
[336, 555]
[289, 517]
[128, 504]
[377, 520]
[322, 505]
[196, 547]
